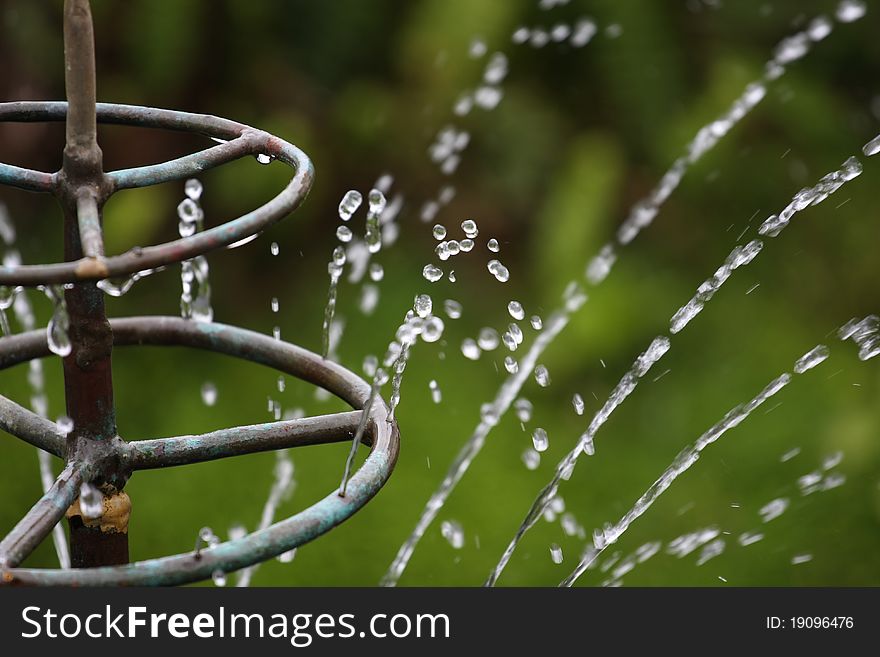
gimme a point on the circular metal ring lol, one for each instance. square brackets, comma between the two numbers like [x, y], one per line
[238, 140]
[262, 544]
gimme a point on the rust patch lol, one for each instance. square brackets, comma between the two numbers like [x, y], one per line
[117, 511]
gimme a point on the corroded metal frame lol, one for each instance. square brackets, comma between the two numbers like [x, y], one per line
[93, 451]
[285, 535]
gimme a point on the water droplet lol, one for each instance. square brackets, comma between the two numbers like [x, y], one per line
[59, 324]
[531, 459]
[453, 533]
[370, 364]
[452, 276]
[811, 359]
[516, 310]
[432, 274]
[872, 147]
[542, 376]
[511, 365]
[423, 305]
[263, 158]
[436, 394]
[274, 304]
[587, 444]
[496, 69]
[469, 226]
[209, 393]
[523, 409]
[274, 249]
[516, 332]
[193, 189]
[493, 245]
[281, 384]
[773, 509]
[556, 553]
[569, 524]
[470, 349]
[584, 31]
[349, 204]
[509, 341]
[218, 576]
[439, 232]
[91, 501]
[536, 322]
[850, 10]
[560, 32]
[432, 330]
[452, 308]
[344, 234]
[477, 48]
[520, 35]
[540, 439]
[819, 28]
[578, 402]
[488, 339]
[499, 271]
[65, 424]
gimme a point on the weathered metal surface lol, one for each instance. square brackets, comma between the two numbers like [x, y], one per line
[93, 451]
[37, 523]
[280, 537]
[100, 541]
[183, 450]
[31, 428]
[243, 141]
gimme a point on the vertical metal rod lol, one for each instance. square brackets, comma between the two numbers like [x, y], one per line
[83, 188]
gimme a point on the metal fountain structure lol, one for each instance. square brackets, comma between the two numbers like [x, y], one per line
[93, 452]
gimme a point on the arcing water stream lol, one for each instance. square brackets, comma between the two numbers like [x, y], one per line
[422, 322]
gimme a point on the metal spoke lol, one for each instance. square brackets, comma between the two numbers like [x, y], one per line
[31, 428]
[188, 165]
[183, 450]
[42, 517]
[26, 179]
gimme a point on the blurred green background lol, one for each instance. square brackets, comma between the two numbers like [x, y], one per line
[580, 135]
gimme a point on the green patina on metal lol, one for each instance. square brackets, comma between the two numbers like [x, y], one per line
[93, 451]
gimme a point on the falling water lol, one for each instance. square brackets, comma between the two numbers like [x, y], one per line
[640, 216]
[24, 315]
[642, 213]
[624, 388]
[685, 459]
[282, 488]
[193, 272]
[505, 397]
[59, 324]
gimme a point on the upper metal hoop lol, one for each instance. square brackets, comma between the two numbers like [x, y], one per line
[238, 140]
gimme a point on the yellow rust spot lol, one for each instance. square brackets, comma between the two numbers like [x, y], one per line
[91, 268]
[7, 577]
[117, 511]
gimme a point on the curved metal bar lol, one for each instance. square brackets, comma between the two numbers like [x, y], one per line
[183, 450]
[275, 539]
[38, 523]
[31, 428]
[189, 165]
[26, 179]
[152, 257]
[34, 111]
